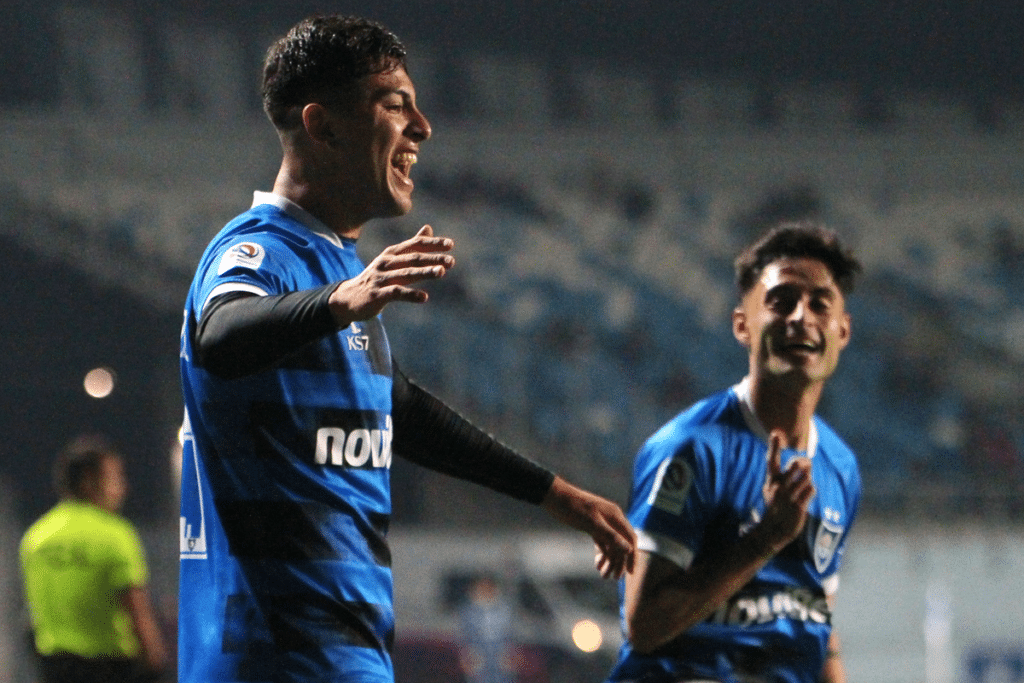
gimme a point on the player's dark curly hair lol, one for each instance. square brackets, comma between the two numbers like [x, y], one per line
[802, 239]
[80, 461]
[324, 56]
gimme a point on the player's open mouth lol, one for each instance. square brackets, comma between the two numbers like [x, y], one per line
[403, 161]
[805, 346]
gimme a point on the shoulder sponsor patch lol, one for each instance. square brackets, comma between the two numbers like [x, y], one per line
[671, 485]
[243, 255]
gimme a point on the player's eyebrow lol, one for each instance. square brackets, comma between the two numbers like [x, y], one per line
[830, 292]
[385, 91]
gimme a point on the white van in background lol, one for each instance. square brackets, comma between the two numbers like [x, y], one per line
[559, 602]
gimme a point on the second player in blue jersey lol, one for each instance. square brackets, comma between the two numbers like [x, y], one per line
[743, 502]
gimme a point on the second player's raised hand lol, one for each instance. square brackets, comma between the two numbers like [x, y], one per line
[387, 278]
[787, 494]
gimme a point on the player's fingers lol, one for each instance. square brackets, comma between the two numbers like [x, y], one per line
[624, 553]
[798, 469]
[803, 494]
[434, 250]
[615, 549]
[392, 293]
[611, 566]
[416, 259]
[775, 453]
[423, 240]
[407, 276]
[623, 530]
[610, 526]
[604, 566]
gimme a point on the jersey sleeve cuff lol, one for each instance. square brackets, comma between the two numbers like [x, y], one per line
[668, 548]
[229, 287]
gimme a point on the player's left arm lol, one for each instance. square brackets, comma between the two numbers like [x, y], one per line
[834, 671]
[429, 433]
[601, 518]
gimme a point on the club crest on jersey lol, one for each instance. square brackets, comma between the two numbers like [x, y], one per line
[243, 255]
[671, 484]
[826, 540]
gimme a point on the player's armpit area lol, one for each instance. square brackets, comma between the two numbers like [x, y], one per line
[240, 333]
[431, 434]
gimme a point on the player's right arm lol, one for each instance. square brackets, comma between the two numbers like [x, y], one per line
[241, 332]
[429, 433]
[663, 599]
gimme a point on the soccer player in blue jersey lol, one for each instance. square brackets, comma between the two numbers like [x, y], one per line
[742, 503]
[294, 404]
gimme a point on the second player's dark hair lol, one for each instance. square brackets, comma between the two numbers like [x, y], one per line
[324, 53]
[803, 239]
[80, 461]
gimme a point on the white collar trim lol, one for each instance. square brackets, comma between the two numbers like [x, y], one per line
[742, 391]
[308, 220]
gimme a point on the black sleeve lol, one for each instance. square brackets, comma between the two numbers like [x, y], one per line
[429, 433]
[240, 333]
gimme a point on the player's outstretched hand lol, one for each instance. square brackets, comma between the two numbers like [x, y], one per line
[599, 517]
[787, 493]
[387, 278]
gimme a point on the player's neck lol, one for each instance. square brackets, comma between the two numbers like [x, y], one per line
[293, 183]
[779, 404]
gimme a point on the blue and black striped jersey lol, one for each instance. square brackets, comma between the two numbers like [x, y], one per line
[285, 569]
[697, 483]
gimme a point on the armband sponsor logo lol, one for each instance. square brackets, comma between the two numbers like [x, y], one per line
[244, 255]
[798, 604]
[360, 447]
[671, 485]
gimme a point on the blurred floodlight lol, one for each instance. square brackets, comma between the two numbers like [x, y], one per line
[99, 382]
[587, 635]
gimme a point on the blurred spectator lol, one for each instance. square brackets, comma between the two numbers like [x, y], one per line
[487, 653]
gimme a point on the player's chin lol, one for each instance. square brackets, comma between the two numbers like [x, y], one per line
[793, 372]
[401, 203]
[393, 209]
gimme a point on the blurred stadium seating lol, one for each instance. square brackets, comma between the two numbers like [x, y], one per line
[592, 296]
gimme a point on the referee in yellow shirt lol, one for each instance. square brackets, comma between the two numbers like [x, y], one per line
[85, 578]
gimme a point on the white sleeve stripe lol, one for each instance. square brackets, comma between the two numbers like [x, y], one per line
[232, 287]
[830, 584]
[668, 548]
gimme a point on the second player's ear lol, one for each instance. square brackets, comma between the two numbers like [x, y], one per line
[845, 328]
[739, 326]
